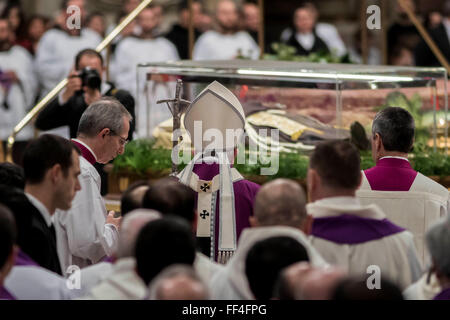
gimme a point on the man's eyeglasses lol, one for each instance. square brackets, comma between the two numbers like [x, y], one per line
[123, 141]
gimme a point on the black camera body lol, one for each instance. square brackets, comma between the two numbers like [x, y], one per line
[90, 78]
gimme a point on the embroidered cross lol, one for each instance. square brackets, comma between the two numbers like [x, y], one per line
[205, 187]
[204, 214]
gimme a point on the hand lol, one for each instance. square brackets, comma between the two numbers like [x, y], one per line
[73, 85]
[110, 219]
[91, 95]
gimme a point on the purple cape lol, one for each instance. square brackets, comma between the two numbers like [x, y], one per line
[391, 174]
[5, 295]
[23, 259]
[350, 229]
[444, 295]
[244, 196]
[85, 153]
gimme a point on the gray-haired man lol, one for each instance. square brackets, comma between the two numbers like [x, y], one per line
[88, 233]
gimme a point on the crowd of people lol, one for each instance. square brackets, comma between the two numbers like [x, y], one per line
[207, 233]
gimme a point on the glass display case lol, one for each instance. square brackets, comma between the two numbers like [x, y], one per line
[307, 102]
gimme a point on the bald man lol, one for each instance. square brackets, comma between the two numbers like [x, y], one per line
[279, 210]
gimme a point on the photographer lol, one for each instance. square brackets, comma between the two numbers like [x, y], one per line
[85, 86]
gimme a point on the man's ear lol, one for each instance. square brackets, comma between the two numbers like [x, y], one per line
[55, 173]
[105, 132]
[253, 221]
[378, 141]
[313, 182]
[306, 226]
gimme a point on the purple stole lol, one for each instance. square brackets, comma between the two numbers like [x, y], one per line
[23, 259]
[391, 174]
[85, 153]
[244, 195]
[444, 295]
[351, 229]
[5, 294]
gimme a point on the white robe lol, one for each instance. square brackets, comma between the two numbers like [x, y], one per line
[417, 210]
[395, 254]
[129, 53]
[20, 96]
[82, 236]
[123, 283]
[206, 268]
[55, 55]
[421, 290]
[231, 283]
[213, 45]
[36, 283]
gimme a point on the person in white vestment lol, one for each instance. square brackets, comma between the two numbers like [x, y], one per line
[356, 237]
[132, 51]
[227, 42]
[18, 84]
[122, 282]
[87, 233]
[409, 198]
[58, 46]
[178, 282]
[170, 196]
[279, 210]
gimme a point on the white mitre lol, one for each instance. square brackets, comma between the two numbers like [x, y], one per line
[215, 112]
[215, 120]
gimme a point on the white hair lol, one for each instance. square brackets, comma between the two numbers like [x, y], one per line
[131, 224]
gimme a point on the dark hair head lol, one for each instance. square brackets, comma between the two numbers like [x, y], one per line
[162, 243]
[356, 289]
[396, 128]
[43, 153]
[338, 164]
[266, 259]
[7, 234]
[15, 4]
[131, 199]
[169, 196]
[86, 52]
[12, 175]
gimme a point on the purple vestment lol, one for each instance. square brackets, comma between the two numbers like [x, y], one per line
[443, 295]
[244, 196]
[23, 259]
[351, 229]
[391, 174]
[85, 153]
[5, 295]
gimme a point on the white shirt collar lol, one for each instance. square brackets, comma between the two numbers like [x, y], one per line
[344, 200]
[305, 39]
[394, 157]
[42, 209]
[87, 147]
[104, 87]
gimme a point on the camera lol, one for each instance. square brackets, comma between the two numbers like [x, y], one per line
[90, 78]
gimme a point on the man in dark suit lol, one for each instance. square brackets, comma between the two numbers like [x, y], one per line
[441, 36]
[67, 108]
[51, 166]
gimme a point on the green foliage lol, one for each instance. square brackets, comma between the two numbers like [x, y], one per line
[285, 52]
[413, 105]
[142, 158]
